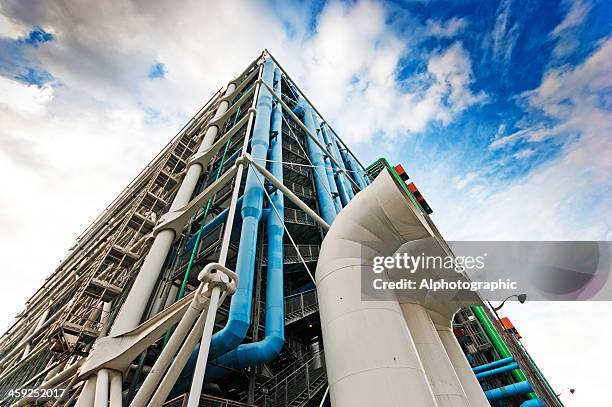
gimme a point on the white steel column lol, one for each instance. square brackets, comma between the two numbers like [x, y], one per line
[131, 312]
[88, 394]
[468, 380]
[116, 383]
[102, 385]
[38, 325]
[438, 368]
[200, 368]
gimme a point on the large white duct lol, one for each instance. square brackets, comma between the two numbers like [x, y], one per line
[438, 368]
[464, 371]
[427, 312]
[371, 357]
[371, 354]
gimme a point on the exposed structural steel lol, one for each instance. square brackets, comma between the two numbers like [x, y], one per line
[499, 360]
[253, 181]
[197, 285]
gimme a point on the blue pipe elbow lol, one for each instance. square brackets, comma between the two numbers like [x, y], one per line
[510, 390]
[245, 355]
[264, 351]
[239, 318]
[533, 403]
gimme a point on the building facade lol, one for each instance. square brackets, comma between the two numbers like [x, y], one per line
[250, 184]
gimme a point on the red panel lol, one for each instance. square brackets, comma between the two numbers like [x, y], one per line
[401, 172]
[506, 323]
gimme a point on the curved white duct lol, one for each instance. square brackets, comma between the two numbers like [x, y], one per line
[370, 355]
[386, 351]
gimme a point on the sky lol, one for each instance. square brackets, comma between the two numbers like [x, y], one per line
[500, 111]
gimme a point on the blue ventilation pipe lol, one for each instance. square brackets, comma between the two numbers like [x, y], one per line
[326, 204]
[353, 168]
[256, 353]
[342, 183]
[493, 365]
[499, 370]
[329, 172]
[239, 318]
[533, 403]
[510, 390]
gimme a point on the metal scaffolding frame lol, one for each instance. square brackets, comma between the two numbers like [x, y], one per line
[105, 292]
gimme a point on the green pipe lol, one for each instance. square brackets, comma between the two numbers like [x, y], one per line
[498, 342]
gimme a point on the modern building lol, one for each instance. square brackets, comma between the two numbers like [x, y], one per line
[217, 242]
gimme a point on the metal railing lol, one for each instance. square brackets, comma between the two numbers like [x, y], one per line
[307, 252]
[297, 306]
[300, 190]
[298, 217]
[206, 401]
[300, 305]
[297, 387]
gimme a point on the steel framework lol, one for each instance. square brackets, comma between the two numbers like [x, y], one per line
[120, 316]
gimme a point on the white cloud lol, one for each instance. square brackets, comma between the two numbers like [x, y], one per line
[5, 25]
[551, 201]
[354, 56]
[445, 29]
[462, 182]
[524, 153]
[505, 34]
[24, 99]
[571, 96]
[565, 32]
[575, 16]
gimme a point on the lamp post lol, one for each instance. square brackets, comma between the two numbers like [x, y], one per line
[521, 298]
[571, 390]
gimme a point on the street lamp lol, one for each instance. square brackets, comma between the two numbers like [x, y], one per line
[570, 389]
[521, 297]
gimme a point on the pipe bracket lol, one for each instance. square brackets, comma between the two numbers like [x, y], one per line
[203, 157]
[177, 219]
[217, 275]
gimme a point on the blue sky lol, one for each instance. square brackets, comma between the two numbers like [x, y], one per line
[499, 110]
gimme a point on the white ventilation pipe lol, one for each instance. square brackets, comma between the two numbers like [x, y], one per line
[385, 350]
[371, 357]
[466, 376]
[136, 301]
[440, 372]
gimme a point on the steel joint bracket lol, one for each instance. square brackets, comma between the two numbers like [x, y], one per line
[203, 157]
[217, 275]
[177, 219]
